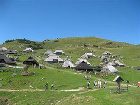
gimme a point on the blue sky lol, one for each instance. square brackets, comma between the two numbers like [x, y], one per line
[117, 20]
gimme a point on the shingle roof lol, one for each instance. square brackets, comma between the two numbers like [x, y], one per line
[51, 58]
[31, 61]
[84, 66]
[68, 63]
[6, 60]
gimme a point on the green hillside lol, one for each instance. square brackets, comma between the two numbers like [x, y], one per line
[68, 81]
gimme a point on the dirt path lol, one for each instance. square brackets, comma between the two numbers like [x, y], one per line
[39, 90]
[22, 90]
[80, 89]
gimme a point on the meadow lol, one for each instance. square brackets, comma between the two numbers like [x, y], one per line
[70, 85]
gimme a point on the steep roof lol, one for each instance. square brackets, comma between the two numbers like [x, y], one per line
[106, 53]
[48, 52]
[84, 66]
[53, 57]
[112, 69]
[68, 63]
[58, 52]
[3, 49]
[28, 49]
[109, 68]
[119, 63]
[87, 55]
[31, 61]
[81, 60]
[4, 59]
[118, 79]
[116, 63]
[11, 52]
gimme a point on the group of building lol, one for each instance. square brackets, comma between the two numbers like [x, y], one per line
[108, 64]
[6, 57]
[82, 64]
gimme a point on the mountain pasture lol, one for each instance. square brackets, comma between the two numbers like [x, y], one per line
[70, 86]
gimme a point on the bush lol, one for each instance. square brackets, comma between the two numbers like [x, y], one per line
[25, 41]
[36, 45]
[7, 41]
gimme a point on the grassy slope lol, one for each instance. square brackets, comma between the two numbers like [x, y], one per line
[104, 97]
[34, 98]
[67, 79]
[63, 79]
[99, 97]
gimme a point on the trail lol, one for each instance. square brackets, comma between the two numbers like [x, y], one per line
[80, 89]
[39, 90]
[21, 90]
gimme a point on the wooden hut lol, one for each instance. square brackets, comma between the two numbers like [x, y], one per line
[84, 66]
[31, 61]
[6, 60]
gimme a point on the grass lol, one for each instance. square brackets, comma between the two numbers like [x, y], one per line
[34, 98]
[99, 97]
[63, 79]
[128, 74]
[68, 78]
[104, 97]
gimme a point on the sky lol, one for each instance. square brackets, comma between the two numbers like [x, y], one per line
[117, 20]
